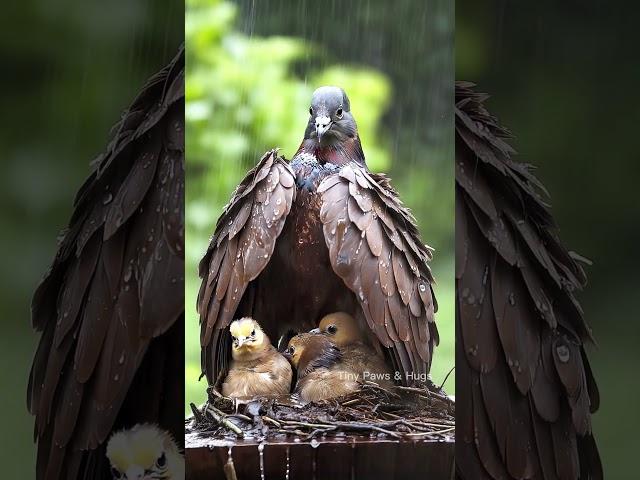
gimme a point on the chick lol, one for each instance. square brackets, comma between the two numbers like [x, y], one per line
[357, 355]
[257, 367]
[321, 374]
[144, 451]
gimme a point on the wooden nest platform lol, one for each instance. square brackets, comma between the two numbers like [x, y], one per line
[374, 433]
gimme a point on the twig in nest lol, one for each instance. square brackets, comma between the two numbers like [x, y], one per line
[197, 414]
[272, 421]
[375, 386]
[221, 419]
[240, 416]
[305, 424]
[446, 430]
[411, 389]
[213, 391]
[389, 414]
[446, 377]
[368, 427]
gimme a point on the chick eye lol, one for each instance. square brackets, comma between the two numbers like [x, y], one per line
[332, 329]
[339, 113]
[310, 110]
[253, 333]
[291, 350]
[233, 338]
[162, 461]
[115, 473]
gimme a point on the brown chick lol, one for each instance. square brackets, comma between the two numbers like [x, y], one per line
[257, 367]
[321, 374]
[357, 355]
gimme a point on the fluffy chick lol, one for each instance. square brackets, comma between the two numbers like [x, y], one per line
[321, 374]
[257, 367]
[357, 355]
[144, 452]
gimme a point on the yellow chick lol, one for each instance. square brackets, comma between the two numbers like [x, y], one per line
[357, 355]
[144, 452]
[321, 374]
[257, 368]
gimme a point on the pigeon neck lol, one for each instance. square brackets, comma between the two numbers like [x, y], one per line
[337, 154]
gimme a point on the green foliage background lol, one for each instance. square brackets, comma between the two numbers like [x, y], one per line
[247, 93]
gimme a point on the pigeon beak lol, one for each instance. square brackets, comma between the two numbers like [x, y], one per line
[315, 331]
[323, 124]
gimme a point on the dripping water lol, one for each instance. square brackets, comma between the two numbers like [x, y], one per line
[286, 475]
[353, 460]
[229, 468]
[261, 451]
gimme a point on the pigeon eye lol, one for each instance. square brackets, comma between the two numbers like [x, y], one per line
[162, 461]
[339, 113]
[115, 473]
[332, 329]
[310, 110]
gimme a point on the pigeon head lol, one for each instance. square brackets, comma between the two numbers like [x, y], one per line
[330, 119]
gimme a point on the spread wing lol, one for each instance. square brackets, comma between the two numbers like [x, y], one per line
[116, 285]
[525, 388]
[375, 248]
[242, 245]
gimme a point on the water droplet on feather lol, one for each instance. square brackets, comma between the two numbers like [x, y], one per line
[563, 353]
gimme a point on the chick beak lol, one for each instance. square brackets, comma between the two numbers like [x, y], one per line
[323, 124]
[315, 331]
[241, 340]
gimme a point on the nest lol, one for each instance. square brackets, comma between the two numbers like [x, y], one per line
[422, 412]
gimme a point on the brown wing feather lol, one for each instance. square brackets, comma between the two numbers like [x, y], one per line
[523, 362]
[241, 247]
[375, 248]
[115, 286]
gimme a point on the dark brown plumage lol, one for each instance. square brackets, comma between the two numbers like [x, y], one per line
[321, 373]
[111, 308]
[321, 234]
[524, 386]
